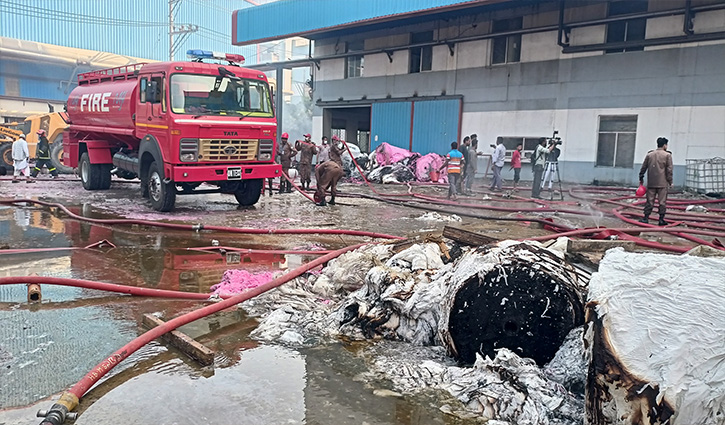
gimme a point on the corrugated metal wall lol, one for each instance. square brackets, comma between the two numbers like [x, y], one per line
[390, 123]
[136, 28]
[295, 16]
[435, 125]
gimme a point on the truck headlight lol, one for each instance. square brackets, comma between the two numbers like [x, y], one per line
[264, 152]
[188, 150]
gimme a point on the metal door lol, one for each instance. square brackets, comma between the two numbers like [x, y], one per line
[435, 125]
[390, 123]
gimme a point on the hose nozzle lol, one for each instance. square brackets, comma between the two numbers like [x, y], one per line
[60, 411]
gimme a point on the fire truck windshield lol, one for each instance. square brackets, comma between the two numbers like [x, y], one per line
[218, 95]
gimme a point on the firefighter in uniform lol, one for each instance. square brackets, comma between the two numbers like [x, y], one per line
[307, 150]
[42, 156]
[336, 150]
[286, 155]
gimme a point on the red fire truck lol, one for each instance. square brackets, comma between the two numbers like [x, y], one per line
[174, 125]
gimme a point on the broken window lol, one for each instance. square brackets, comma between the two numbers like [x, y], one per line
[629, 30]
[506, 49]
[421, 58]
[354, 64]
[617, 135]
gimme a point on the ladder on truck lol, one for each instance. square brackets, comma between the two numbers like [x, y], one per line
[125, 72]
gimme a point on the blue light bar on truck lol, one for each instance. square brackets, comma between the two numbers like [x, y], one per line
[207, 54]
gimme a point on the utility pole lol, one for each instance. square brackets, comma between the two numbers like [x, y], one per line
[171, 28]
[183, 30]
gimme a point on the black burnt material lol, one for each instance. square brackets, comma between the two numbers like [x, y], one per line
[517, 307]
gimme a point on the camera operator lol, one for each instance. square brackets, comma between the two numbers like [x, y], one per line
[538, 159]
[554, 152]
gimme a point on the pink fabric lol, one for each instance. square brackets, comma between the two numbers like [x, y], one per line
[387, 154]
[427, 162]
[236, 281]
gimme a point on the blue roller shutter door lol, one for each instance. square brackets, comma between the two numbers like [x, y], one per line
[390, 123]
[435, 125]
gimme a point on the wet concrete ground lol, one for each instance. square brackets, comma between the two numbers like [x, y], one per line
[46, 347]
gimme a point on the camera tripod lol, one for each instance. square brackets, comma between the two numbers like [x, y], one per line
[551, 168]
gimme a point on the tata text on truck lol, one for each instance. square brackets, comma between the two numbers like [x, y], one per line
[174, 125]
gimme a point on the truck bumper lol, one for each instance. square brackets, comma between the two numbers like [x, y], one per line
[209, 173]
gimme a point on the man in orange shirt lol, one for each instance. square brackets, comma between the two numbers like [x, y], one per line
[454, 162]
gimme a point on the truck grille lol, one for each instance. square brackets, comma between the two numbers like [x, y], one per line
[227, 150]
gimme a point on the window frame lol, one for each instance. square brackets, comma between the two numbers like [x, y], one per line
[423, 53]
[354, 62]
[509, 41]
[626, 36]
[617, 133]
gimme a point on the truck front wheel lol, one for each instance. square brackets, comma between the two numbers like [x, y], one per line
[162, 195]
[94, 176]
[249, 191]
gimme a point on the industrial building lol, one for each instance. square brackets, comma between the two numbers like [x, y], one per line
[609, 76]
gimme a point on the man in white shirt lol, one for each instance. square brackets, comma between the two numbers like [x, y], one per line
[499, 157]
[20, 159]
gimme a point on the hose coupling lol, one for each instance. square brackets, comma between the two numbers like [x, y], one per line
[34, 293]
[197, 227]
[60, 411]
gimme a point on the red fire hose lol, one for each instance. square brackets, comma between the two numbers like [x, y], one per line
[199, 227]
[102, 286]
[70, 399]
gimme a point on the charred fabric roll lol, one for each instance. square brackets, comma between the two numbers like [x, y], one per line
[517, 295]
[522, 297]
[655, 337]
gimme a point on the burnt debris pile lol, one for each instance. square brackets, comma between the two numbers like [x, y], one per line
[475, 324]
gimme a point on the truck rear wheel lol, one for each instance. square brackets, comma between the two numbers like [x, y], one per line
[249, 191]
[6, 156]
[94, 176]
[162, 195]
[56, 156]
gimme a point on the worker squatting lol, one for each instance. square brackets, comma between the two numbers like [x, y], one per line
[328, 169]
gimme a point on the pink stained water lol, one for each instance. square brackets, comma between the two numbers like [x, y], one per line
[236, 281]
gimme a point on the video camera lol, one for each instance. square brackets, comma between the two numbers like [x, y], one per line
[554, 139]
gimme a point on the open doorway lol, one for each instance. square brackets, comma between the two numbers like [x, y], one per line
[350, 124]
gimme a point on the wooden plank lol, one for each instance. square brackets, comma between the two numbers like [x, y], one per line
[594, 245]
[187, 345]
[467, 237]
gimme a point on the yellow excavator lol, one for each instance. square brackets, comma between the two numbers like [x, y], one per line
[54, 124]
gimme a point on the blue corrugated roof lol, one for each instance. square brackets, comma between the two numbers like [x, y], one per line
[287, 18]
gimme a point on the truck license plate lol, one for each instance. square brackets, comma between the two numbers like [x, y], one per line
[234, 173]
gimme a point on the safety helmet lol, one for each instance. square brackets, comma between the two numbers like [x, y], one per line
[308, 135]
[335, 138]
[41, 132]
[285, 136]
[22, 136]
[641, 190]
